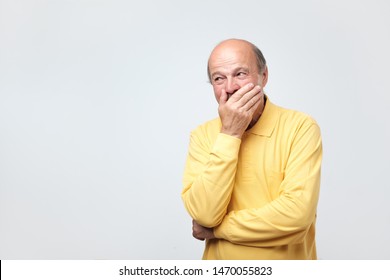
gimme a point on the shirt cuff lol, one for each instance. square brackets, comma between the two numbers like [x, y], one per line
[227, 145]
[221, 231]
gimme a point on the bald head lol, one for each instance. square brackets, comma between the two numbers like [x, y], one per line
[239, 46]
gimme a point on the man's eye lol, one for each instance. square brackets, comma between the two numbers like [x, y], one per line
[241, 74]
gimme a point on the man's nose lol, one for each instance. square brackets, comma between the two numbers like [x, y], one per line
[231, 86]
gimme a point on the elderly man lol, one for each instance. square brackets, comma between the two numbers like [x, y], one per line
[252, 176]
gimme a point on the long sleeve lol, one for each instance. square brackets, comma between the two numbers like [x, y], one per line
[288, 218]
[209, 177]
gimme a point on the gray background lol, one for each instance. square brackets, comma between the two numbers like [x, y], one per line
[97, 100]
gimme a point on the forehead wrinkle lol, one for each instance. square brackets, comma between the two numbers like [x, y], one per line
[227, 60]
[228, 64]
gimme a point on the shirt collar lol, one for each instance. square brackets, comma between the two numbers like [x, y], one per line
[267, 122]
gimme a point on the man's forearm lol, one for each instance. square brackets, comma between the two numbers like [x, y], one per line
[209, 184]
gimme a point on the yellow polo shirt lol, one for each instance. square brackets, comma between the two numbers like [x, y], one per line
[259, 193]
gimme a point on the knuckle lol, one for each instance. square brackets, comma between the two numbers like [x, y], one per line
[240, 111]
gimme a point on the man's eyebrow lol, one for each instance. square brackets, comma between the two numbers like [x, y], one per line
[245, 69]
[216, 73]
[235, 70]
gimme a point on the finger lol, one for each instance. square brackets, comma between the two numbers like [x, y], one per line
[247, 98]
[241, 92]
[198, 235]
[255, 100]
[244, 96]
[223, 98]
[201, 239]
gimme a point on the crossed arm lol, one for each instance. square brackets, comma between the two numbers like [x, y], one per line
[282, 221]
[210, 174]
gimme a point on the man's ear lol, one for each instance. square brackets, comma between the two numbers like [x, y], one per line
[264, 76]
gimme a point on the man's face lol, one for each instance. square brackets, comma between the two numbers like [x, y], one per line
[232, 65]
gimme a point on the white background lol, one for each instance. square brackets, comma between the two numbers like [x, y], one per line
[97, 100]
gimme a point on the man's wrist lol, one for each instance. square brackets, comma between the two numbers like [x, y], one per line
[230, 133]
